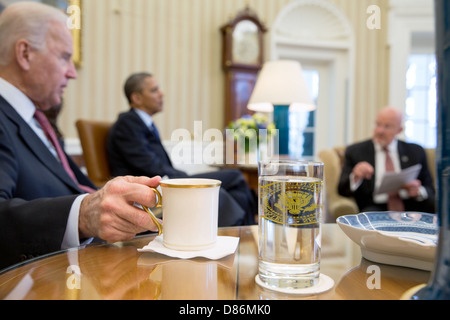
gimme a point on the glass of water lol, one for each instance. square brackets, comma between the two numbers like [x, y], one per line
[290, 208]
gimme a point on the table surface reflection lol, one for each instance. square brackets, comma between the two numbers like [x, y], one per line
[118, 271]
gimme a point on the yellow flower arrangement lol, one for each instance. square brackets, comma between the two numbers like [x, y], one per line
[249, 127]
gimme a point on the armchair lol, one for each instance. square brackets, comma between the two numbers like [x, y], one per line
[336, 204]
[93, 135]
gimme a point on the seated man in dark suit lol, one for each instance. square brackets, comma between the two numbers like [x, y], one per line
[366, 162]
[46, 203]
[134, 148]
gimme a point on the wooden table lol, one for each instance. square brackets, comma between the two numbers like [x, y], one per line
[119, 271]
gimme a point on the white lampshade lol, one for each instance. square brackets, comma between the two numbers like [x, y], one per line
[281, 83]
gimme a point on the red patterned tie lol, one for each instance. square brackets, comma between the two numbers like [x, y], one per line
[51, 136]
[394, 202]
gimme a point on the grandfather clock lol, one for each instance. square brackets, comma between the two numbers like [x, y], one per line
[243, 47]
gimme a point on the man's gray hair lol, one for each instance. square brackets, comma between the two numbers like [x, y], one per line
[26, 20]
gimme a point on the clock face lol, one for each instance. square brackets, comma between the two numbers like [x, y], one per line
[246, 46]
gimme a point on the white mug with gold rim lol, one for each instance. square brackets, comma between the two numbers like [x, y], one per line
[190, 213]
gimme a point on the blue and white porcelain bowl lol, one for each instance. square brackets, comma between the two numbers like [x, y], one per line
[407, 239]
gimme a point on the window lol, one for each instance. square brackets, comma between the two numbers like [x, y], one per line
[421, 104]
[302, 124]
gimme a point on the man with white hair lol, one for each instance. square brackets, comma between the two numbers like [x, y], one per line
[366, 162]
[46, 203]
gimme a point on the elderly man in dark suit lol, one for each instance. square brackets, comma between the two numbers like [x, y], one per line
[46, 203]
[134, 148]
[366, 162]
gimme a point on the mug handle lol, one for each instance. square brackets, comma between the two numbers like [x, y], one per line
[158, 205]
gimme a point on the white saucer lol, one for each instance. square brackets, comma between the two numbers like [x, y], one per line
[325, 284]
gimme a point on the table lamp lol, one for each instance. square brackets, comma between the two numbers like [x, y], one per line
[281, 88]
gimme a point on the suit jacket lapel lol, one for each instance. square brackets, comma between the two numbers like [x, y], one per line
[151, 135]
[32, 141]
[404, 158]
[371, 159]
[371, 153]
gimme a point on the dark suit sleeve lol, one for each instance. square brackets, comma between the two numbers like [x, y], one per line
[354, 154]
[344, 181]
[418, 155]
[32, 228]
[134, 150]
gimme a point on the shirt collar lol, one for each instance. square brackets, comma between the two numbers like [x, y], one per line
[148, 120]
[392, 147]
[17, 99]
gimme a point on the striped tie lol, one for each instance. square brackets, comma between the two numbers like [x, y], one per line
[394, 201]
[51, 136]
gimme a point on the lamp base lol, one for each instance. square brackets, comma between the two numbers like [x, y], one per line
[281, 120]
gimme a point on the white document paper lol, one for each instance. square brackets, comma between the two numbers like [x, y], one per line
[392, 181]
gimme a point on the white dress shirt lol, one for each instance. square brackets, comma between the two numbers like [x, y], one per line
[380, 167]
[145, 117]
